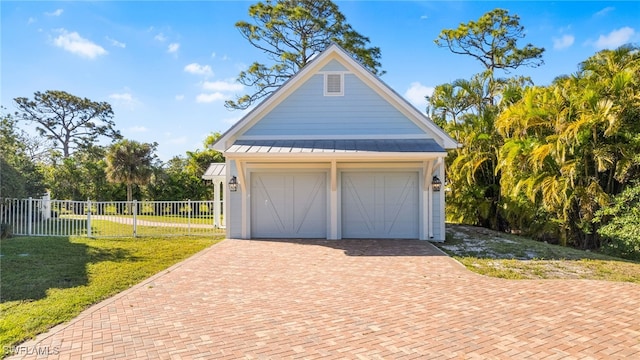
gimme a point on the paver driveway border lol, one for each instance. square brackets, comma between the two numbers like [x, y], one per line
[369, 299]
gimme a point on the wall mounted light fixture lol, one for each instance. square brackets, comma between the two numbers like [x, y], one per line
[233, 184]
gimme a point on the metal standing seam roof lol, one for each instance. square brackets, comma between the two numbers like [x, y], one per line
[215, 170]
[336, 146]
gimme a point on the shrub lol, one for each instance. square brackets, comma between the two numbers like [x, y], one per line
[110, 210]
[147, 209]
[621, 225]
[185, 210]
[167, 210]
[204, 209]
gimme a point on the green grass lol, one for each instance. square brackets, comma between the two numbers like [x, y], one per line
[509, 256]
[50, 280]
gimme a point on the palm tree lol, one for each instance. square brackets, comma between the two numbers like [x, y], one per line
[614, 76]
[130, 162]
[467, 109]
[572, 145]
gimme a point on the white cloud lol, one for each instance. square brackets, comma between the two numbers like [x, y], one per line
[31, 20]
[416, 95]
[604, 11]
[180, 97]
[220, 90]
[197, 69]
[116, 43]
[615, 38]
[424, 17]
[160, 37]
[126, 97]
[222, 86]
[564, 42]
[213, 55]
[209, 98]
[173, 48]
[75, 44]
[57, 12]
[138, 129]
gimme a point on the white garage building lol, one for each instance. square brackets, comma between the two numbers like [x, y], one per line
[335, 153]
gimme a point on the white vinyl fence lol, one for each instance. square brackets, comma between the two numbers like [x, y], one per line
[46, 217]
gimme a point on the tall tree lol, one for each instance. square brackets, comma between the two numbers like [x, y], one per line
[19, 172]
[467, 109]
[572, 145]
[81, 176]
[70, 122]
[131, 163]
[181, 177]
[198, 161]
[492, 40]
[290, 33]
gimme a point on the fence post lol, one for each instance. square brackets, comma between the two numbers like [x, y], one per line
[46, 206]
[216, 205]
[189, 215]
[30, 216]
[135, 218]
[88, 217]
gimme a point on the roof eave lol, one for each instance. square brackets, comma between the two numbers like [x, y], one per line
[327, 156]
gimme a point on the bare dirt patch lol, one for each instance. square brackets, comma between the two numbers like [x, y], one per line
[504, 255]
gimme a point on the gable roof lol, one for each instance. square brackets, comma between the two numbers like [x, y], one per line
[229, 138]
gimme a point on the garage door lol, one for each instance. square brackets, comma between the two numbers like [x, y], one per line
[289, 205]
[380, 205]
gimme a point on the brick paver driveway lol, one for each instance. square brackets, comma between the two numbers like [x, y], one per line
[365, 299]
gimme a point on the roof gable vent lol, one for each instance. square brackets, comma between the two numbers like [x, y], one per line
[334, 84]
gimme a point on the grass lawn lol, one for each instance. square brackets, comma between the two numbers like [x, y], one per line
[49, 280]
[508, 256]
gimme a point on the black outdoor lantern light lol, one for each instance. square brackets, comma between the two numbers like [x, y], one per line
[436, 183]
[233, 184]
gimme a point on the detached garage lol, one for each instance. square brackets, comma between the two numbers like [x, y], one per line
[335, 153]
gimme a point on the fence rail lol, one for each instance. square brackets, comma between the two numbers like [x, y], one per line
[46, 217]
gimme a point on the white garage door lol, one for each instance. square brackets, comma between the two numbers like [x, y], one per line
[289, 205]
[380, 205]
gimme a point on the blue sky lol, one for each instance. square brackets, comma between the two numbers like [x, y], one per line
[167, 67]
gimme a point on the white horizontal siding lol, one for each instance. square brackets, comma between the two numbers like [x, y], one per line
[361, 111]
